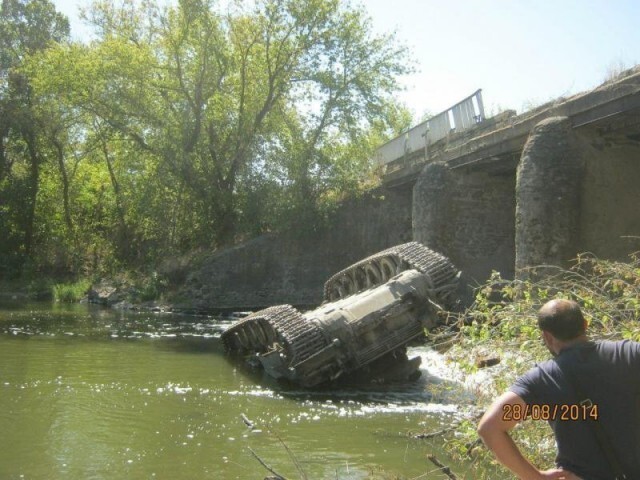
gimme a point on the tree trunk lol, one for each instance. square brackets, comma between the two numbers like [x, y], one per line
[4, 163]
[224, 217]
[32, 193]
[65, 186]
[123, 235]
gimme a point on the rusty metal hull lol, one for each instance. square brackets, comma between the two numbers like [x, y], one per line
[375, 308]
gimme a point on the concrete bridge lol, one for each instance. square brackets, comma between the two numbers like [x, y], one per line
[538, 188]
[502, 194]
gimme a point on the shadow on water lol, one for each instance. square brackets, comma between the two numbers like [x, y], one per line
[191, 344]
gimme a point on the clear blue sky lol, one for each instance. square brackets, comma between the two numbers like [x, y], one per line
[519, 52]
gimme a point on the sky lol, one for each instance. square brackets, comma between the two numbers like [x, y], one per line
[521, 53]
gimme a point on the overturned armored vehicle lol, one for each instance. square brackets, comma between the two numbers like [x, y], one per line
[372, 309]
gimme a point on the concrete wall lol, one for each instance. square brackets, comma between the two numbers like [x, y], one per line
[576, 193]
[292, 269]
[610, 201]
[469, 217]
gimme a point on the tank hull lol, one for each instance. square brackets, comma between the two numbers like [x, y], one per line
[358, 327]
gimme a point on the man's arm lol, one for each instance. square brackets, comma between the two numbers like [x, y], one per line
[494, 431]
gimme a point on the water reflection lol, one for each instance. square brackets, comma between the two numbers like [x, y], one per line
[96, 322]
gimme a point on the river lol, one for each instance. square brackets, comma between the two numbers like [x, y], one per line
[90, 393]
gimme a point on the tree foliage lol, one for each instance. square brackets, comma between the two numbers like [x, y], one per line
[190, 126]
[26, 27]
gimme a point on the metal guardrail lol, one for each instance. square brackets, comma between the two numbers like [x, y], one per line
[462, 116]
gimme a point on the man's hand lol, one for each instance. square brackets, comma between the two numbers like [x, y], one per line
[558, 474]
[494, 430]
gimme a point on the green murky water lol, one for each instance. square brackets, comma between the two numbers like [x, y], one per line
[88, 393]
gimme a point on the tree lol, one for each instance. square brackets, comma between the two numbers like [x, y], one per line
[219, 99]
[181, 127]
[26, 26]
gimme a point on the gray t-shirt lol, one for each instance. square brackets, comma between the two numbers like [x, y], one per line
[608, 373]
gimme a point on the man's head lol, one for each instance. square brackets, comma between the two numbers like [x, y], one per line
[561, 322]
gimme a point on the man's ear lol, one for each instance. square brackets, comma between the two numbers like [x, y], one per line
[548, 337]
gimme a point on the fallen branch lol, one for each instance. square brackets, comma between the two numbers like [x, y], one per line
[249, 423]
[293, 458]
[470, 446]
[262, 462]
[425, 436]
[454, 426]
[446, 470]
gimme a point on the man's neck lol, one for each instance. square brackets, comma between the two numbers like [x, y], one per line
[571, 343]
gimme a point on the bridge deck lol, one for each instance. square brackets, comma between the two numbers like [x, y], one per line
[496, 144]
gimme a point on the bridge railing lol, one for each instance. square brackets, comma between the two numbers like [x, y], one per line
[462, 116]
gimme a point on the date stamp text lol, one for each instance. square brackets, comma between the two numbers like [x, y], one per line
[564, 412]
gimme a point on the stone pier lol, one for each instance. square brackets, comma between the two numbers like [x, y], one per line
[548, 196]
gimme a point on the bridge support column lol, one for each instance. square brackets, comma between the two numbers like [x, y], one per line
[468, 215]
[432, 205]
[548, 188]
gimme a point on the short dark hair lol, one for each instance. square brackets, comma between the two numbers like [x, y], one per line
[561, 318]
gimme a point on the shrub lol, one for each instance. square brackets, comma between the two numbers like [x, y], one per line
[70, 292]
[502, 321]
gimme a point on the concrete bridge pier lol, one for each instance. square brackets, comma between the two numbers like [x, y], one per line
[548, 196]
[506, 219]
[470, 215]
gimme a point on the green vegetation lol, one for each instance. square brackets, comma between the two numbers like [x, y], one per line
[502, 322]
[182, 128]
[70, 292]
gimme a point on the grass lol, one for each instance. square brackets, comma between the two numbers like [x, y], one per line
[70, 292]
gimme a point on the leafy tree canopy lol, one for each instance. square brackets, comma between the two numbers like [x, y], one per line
[26, 27]
[208, 125]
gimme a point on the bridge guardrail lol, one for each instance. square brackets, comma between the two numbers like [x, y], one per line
[462, 116]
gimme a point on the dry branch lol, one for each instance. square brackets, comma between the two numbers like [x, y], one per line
[446, 470]
[262, 462]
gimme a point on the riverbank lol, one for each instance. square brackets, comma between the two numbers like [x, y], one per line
[501, 325]
[26, 289]
[122, 291]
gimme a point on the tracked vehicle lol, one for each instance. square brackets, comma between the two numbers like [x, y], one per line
[372, 310]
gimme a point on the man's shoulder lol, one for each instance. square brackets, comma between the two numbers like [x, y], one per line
[538, 370]
[527, 384]
[621, 350]
[626, 343]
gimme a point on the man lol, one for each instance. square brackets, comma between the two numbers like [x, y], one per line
[585, 383]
